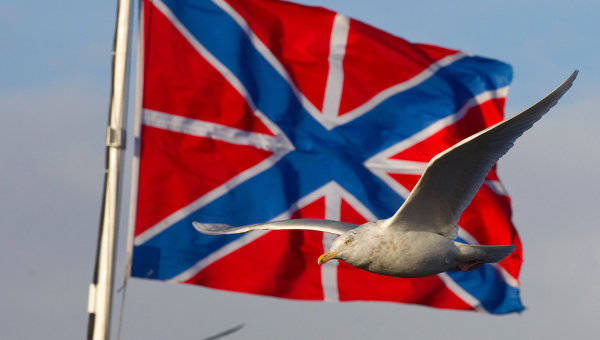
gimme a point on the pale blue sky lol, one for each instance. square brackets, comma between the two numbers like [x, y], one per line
[55, 67]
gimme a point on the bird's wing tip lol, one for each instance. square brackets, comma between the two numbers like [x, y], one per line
[573, 75]
[211, 228]
[566, 85]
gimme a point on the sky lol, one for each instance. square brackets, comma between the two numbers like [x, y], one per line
[54, 92]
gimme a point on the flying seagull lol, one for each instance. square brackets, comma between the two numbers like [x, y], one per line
[418, 240]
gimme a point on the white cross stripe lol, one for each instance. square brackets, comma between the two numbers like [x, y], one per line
[216, 131]
[335, 77]
[333, 207]
[497, 187]
[461, 293]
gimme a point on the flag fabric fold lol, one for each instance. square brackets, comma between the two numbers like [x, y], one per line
[256, 110]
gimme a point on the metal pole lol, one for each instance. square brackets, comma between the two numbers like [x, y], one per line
[100, 295]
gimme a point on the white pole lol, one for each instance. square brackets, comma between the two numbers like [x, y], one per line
[100, 295]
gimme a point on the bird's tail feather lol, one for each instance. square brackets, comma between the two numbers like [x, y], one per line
[487, 254]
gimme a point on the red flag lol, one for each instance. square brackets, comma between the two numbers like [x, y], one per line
[261, 110]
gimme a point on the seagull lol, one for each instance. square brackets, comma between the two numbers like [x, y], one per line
[419, 239]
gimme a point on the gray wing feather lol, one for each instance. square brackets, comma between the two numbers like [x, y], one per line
[327, 226]
[453, 177]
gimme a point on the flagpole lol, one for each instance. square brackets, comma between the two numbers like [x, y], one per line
[100, 294]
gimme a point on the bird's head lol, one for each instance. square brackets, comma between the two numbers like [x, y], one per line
[340, 245]
[354, 246]
[350, 246]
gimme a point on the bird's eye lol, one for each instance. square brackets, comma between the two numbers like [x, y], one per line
[348, 241]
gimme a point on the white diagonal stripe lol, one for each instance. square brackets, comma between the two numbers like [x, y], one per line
[380, 160]
[508, 278]
[398, 166]
[335, 77]
[218, 254]
[497, 187]
[276, 64]
[207, 198]
[400, 87]
[461, 293]
[209, 57]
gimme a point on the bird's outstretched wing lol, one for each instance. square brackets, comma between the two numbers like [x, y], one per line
[453, 177]
[327, 226]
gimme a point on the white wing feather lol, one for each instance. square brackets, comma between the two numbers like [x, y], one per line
[453, 177]
[328, 226]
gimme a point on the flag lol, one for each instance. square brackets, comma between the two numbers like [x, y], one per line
[258, 110]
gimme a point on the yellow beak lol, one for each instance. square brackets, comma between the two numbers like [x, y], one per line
[326, 257]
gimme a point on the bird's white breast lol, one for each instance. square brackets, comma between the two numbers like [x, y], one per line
[408, 254]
